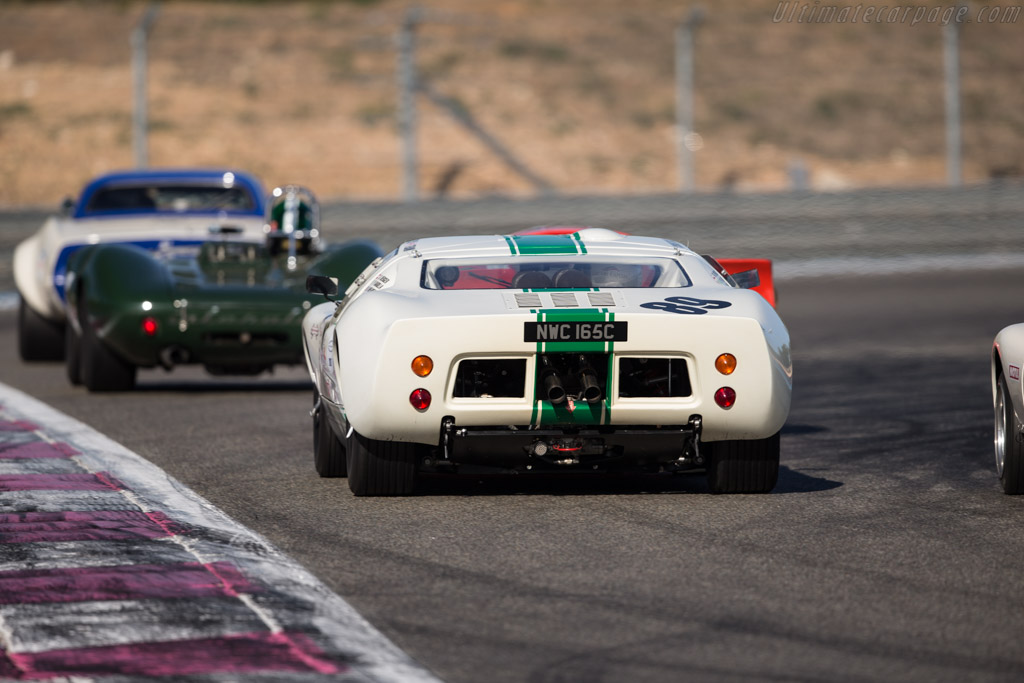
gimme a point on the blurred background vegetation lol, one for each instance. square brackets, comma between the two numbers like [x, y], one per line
[581, 90]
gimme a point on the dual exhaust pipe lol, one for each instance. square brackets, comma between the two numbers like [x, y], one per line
[553, 388]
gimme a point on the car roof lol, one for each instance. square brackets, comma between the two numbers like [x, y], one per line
[582, 241]
[176, 176]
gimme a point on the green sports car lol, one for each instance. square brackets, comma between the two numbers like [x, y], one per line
[232, 304]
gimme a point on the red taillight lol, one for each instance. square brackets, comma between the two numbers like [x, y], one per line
[725, 397]
[420, 399]
[149, 326]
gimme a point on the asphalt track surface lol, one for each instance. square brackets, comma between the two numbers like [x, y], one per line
[887, 551]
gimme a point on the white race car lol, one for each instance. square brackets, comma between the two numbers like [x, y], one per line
[588, 350]
[1008, 402]
[150, 208]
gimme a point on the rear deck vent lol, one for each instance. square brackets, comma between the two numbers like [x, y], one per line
[564, 300]
[601, 299]
[528, 300]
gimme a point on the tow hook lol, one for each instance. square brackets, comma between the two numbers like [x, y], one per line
[692, 452]
[447, 425]
[441, 458]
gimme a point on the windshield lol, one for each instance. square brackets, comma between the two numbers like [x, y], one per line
[170, 198]
[562, 273]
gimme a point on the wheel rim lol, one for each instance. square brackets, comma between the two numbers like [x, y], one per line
[316, 428]
[1000, 430]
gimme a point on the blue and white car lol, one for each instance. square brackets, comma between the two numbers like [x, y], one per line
[150, 208]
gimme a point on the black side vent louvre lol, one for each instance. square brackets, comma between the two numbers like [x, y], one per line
[490, 378]
[654, 378]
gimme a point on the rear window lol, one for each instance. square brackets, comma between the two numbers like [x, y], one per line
[170, 199]
[530, 273]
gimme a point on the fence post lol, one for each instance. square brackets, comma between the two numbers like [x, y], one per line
[407, 102]
[951, 53]
[140, 61]
[684, 99]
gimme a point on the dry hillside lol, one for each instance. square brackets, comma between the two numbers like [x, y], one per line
[581, 90]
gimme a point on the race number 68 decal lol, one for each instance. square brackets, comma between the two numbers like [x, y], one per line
[686, 305]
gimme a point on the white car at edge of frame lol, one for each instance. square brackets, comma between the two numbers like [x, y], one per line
[1008, 405]
[586, 350]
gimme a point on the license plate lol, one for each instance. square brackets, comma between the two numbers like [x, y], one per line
[575, 331]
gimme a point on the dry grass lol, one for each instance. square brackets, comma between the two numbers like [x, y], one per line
[582, 90]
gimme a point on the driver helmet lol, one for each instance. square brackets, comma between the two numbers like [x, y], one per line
[294, 211]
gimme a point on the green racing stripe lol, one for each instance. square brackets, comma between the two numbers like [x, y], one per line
[534, 245]
[581, 413]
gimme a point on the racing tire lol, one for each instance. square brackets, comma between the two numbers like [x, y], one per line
[744, 466]
[73, 355]
[328, 451]
[381, 468]
[39, 339]
[1008, 446]
[100, 368]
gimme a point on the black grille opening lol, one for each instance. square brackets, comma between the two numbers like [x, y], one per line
[653, 378]
[490, 378]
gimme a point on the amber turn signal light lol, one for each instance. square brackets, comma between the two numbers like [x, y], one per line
[726, 363]
[422, 365]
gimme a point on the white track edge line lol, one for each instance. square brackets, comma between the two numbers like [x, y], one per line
[377, 657]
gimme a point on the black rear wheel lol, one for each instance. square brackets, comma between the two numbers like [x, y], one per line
[1009, 450]
[744, 466]
[73, 355]
[381, 468]
[101, 369]
[39, 339]
[328, 450]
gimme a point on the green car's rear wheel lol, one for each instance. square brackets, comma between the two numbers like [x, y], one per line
[381, 468]
[744, 466]
[73, 355]
[101, 369]
[38, 338]
[328, 450]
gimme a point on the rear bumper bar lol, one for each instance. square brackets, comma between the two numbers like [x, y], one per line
[518, 446]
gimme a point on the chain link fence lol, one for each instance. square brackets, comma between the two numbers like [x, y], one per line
[581, 93]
